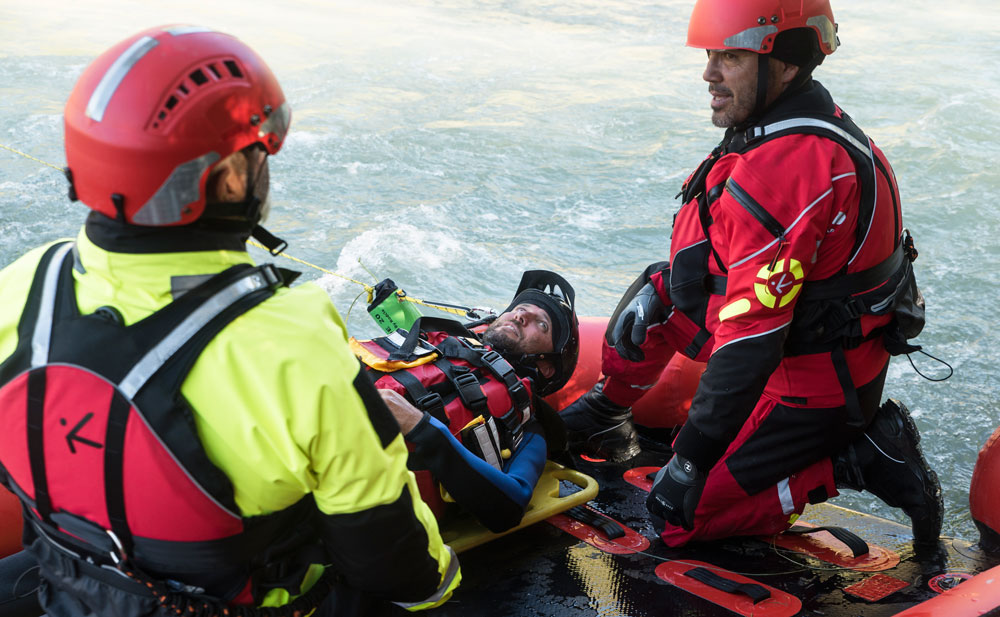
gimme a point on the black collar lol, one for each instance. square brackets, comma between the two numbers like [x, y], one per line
[118, 237]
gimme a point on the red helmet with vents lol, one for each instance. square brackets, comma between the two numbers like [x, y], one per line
[754, 24]
[149, 119]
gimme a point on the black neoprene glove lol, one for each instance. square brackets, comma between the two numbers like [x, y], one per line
[676, 491]
[629, 330]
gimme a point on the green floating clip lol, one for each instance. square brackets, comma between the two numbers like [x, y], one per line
[390, 311]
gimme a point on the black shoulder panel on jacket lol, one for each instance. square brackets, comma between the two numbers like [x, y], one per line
[379, 415]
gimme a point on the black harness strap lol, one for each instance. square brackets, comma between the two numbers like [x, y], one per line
[36, 442]
[705, 218]
[467, 385]
[609, 526]
[424, 400]
[843, 285]
[492, 361]
[114, 468]
[855, 415]
[694, 347]
[757, 593]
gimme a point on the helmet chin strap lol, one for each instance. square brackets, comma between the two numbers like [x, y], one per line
[273, 243]
[762, 73]
[251, 211]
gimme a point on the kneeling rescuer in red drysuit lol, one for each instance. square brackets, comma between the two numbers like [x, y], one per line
[790, 274]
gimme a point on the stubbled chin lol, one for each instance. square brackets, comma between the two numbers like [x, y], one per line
[721, 120]
[501, 340]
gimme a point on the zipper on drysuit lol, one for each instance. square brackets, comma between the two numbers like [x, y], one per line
[758, 211]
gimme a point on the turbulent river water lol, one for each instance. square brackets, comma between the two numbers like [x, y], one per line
[452, 144]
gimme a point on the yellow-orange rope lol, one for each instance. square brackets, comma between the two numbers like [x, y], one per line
[28, 156]
[368, 288]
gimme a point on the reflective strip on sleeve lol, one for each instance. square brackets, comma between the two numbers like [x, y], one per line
[785, 497]
[448, 583]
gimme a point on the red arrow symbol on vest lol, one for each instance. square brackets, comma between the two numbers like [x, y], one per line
[73, 435]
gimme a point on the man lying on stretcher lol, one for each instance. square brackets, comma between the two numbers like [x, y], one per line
[470, 404]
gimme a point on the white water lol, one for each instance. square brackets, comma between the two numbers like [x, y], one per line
[450, 145]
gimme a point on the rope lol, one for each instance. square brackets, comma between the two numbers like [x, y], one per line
[447, 308]
[368, 288]
[28, 156]
[453, 309]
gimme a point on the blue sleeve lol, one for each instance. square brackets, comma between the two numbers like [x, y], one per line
[496, 498]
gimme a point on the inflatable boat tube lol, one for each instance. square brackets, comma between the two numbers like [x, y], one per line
[664, 406]
[984, 497]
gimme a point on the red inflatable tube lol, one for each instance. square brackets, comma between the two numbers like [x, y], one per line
[10, 523]
[665, 405]
[984, 498]
[973, 598]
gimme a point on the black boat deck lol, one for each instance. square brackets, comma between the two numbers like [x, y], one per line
[545, 572]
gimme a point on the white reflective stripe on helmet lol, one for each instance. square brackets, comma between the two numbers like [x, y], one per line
[182, 30]
[102, 94]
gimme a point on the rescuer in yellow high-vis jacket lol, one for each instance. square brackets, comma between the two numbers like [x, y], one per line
[150, 355]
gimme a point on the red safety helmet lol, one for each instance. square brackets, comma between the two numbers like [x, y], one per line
[754, 24]
[149, 119]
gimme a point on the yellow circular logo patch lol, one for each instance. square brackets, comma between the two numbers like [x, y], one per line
[776, 288]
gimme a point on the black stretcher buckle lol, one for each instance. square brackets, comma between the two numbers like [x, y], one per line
[433, 404]
[470, 392]
[499, 366]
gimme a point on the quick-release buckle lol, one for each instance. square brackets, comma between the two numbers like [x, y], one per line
[271, 275]
[752, 134]
[499, 366]
[470, 392]
[854, 307]
[519, 396]
[433, 404]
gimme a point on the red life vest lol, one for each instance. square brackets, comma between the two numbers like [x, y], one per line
[443, 369]
[99, 444]
[840, 312]
[829, 312]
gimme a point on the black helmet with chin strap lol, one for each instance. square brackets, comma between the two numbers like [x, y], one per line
[552, 293]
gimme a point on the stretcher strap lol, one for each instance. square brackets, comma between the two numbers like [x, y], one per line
[611, 528]
[757, 593]
[858, 546]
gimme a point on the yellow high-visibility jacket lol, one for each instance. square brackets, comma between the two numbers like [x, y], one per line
[277, 407]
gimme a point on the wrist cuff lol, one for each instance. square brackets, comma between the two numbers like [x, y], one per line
[419, 429]
[699, 448]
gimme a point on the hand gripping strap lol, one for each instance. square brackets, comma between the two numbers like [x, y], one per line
[423, 399]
